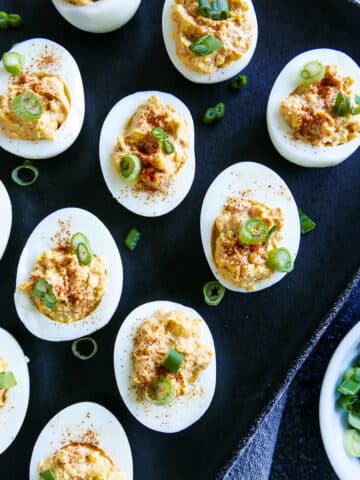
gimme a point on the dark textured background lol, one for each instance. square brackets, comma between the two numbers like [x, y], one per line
[257, 336]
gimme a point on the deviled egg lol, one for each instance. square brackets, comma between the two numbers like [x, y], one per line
[209, 41]
[5, 218]
[313, 112]
[147, 152]
[69, 278]
[42, 108]
[14, 389]
[165, 365]
[84, 440]
[250, 228]
[97, 16]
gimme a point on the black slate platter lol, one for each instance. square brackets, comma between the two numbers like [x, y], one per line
[258, 337]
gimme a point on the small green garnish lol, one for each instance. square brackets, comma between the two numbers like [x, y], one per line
[173, 361]
[47, 475]
[15, 20]
[213, 293]
[239, 82]
[13, 62]
[43, 291]
[213, 114]
[312, 72]
[80, 356]
[205, 45]
[27, 107]
[130, 167]
[7, 380]
[305, 222]
[160, 391]
[161, 136]
[253, 232]
[28, 167]
[132, 239]
[344, 107]
[215, 9]
[280, 260]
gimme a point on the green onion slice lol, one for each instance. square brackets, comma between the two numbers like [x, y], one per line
[167, 146]
[307, 225]
[47, 475]
[50, 300]
[4, 22]
[75, 351]
[213, 293]
[28, 167]
[253, 231]
[216, 10]
[354, 420]
[84, 254]
[352, 442]
[160, 391]
[272, 230]
[13, 62]
[173, 361]
[213, 114]
[130, 167]
[346, 402]
[41, 288]
[342, 105]
[219, 110]
[158, 133]
[239, 82]
[280, 259]
[27, 106]
[312, 72]
[349, 373]
[78, 238]
[348, 387]
[15, 20]
[7, 380]
[132, 239]
[205, 45]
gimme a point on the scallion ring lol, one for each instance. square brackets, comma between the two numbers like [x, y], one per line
[253, 232]
[15, 20]
[13, 62]
[78, 238]
[158, 133]
[4, 20]
[280, 260]
[272, 230]
[213, 293]
[7, 380]
[27, 106]
[132, 239]
[239, 82]
[75, 350]
[50, 300]
[84, 254]
[47, 475]
[205, 45]
[160, 391]
[41, 287]
[342, 105]
[213, 114]
[173, 361]
[352, 442]
[312, 72]
[168, 146]
[130, 167]
[28, 167]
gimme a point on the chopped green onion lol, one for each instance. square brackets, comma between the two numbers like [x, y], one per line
[272, 230]
[348, 387]
[349, 373]
[4, 21]
[205, 8]
[41, 288]
[213, 293]
[280, 259]
[167, 146]
[78, 238]
[75, 351]
[160, 391]
[50, 300]
[356, 374]
[132, 239]
[84, 254]
[173, 361]
[7, 380]
[307, 225]
[354, 420]
[213, 114]
[130, 167]
[253, 231]
[239, 82]
[15, 20]
[205, 45]
[343, 106]
[158, 133]
[27, 106]
[346, 402]
[312, 72]
[13, 62]
[47, 475]
[216, 10]
[27, 165]
[357, 99]
[352, 442]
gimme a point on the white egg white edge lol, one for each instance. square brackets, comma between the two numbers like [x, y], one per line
[239, 178]
[333, 418]
[5, 218]
[220, 75]
[140, 202]
[68, 71]
[296, 151]
[76, 420]
[103, 245]
[100, 17]
[183, 411]
[12, 415]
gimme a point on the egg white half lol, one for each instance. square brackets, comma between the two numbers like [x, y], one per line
[71, 425]
[255, 182]
[183, 411]
[141, 202]
[103, 245]
[13, 413]
[66, 67]
[220, 75]
[99, 17]
[5, 218]
[297, 151]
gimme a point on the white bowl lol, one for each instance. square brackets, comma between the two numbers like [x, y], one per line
[332, 417]
[5, 218]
